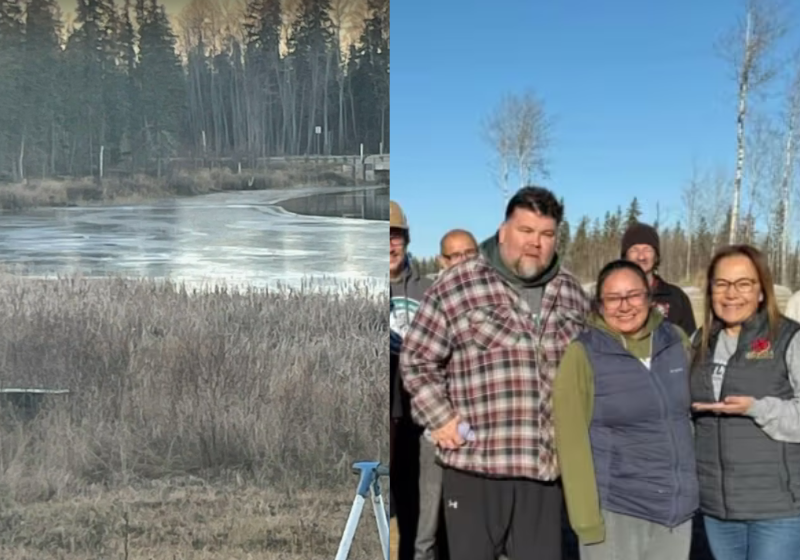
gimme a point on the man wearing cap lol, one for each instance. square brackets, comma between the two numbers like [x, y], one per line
[640, 244]
[479, 362]
[416, 479]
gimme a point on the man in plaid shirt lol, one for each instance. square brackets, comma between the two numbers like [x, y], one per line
[482, 351]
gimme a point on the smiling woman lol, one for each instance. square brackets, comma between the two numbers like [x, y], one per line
[621, 411]
[623, 295]
[746, 388]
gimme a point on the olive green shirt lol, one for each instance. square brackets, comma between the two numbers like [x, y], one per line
[573, 405]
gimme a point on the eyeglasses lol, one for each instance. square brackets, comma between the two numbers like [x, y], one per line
[468, 254]
[614, 301]
[742, 285]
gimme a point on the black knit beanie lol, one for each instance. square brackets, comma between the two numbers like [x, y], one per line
[640, 233]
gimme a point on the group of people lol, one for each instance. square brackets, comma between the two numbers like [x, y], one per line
[517, 397]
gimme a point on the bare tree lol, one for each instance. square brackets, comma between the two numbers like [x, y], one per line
[691, 203]
[763, 166]
[716, 204]
[519, 133]
[748, 47]
[792, 119]
[533, 137]
[497, 131]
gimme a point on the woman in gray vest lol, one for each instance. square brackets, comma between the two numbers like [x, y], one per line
[746, 390]
[622, 415]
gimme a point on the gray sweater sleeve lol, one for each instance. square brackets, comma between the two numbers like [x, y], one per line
[779, 418]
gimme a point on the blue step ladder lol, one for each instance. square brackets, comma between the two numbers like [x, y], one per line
[369, 486]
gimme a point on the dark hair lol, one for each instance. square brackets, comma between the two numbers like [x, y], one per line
[536, 199]
[764, 279]
[404, 232]
[611, 268]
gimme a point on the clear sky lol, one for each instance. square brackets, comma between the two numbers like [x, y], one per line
[636, 89]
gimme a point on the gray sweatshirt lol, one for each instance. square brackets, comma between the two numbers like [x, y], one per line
[780, 419]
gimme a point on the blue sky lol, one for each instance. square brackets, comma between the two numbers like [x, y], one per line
[635, 87]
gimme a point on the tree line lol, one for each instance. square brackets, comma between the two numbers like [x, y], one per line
[124, 87]
[586, 246]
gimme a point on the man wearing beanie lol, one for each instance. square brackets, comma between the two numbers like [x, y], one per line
[640, 244]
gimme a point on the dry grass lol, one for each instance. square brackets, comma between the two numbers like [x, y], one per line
[200, 522]
[135, 188]
[220, 425]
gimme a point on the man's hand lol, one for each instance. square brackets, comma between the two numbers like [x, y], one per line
[731, 405]
[447, 436]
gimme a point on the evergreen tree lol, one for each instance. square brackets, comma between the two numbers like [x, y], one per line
[633, 213]
[11, 88]
[160, 84]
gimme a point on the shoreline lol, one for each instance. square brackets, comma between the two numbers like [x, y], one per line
[295, 205]
[87, 192]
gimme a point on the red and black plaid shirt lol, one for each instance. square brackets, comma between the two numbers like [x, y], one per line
[474, 348]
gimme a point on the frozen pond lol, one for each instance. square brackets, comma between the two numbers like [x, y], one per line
[234, 238]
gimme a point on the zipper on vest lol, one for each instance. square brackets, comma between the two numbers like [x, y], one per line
[674, 446]
[721, 466]
[720, 438]
[785, 465]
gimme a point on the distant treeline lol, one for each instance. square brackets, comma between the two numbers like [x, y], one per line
[585, 248]
[121, 89]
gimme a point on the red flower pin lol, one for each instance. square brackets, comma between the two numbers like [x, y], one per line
[760, 345]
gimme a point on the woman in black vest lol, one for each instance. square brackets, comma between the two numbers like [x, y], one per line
[622, 417]
[745, 384]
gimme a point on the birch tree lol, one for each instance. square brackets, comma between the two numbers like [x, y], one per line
[532, 138]
[519, 132]
[749, 49]
[498, 132]
[792, 118]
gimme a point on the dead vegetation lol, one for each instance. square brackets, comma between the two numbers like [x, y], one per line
[136, 188]
[199, 425]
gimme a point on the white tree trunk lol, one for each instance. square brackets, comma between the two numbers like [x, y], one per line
[744, 83]
[786, 181]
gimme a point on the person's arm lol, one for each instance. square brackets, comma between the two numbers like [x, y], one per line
[573, 400]
[793, 307]
[780, 418]
[423, 358]
[688, 324]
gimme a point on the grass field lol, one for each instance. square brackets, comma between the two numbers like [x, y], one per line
[212, 425]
